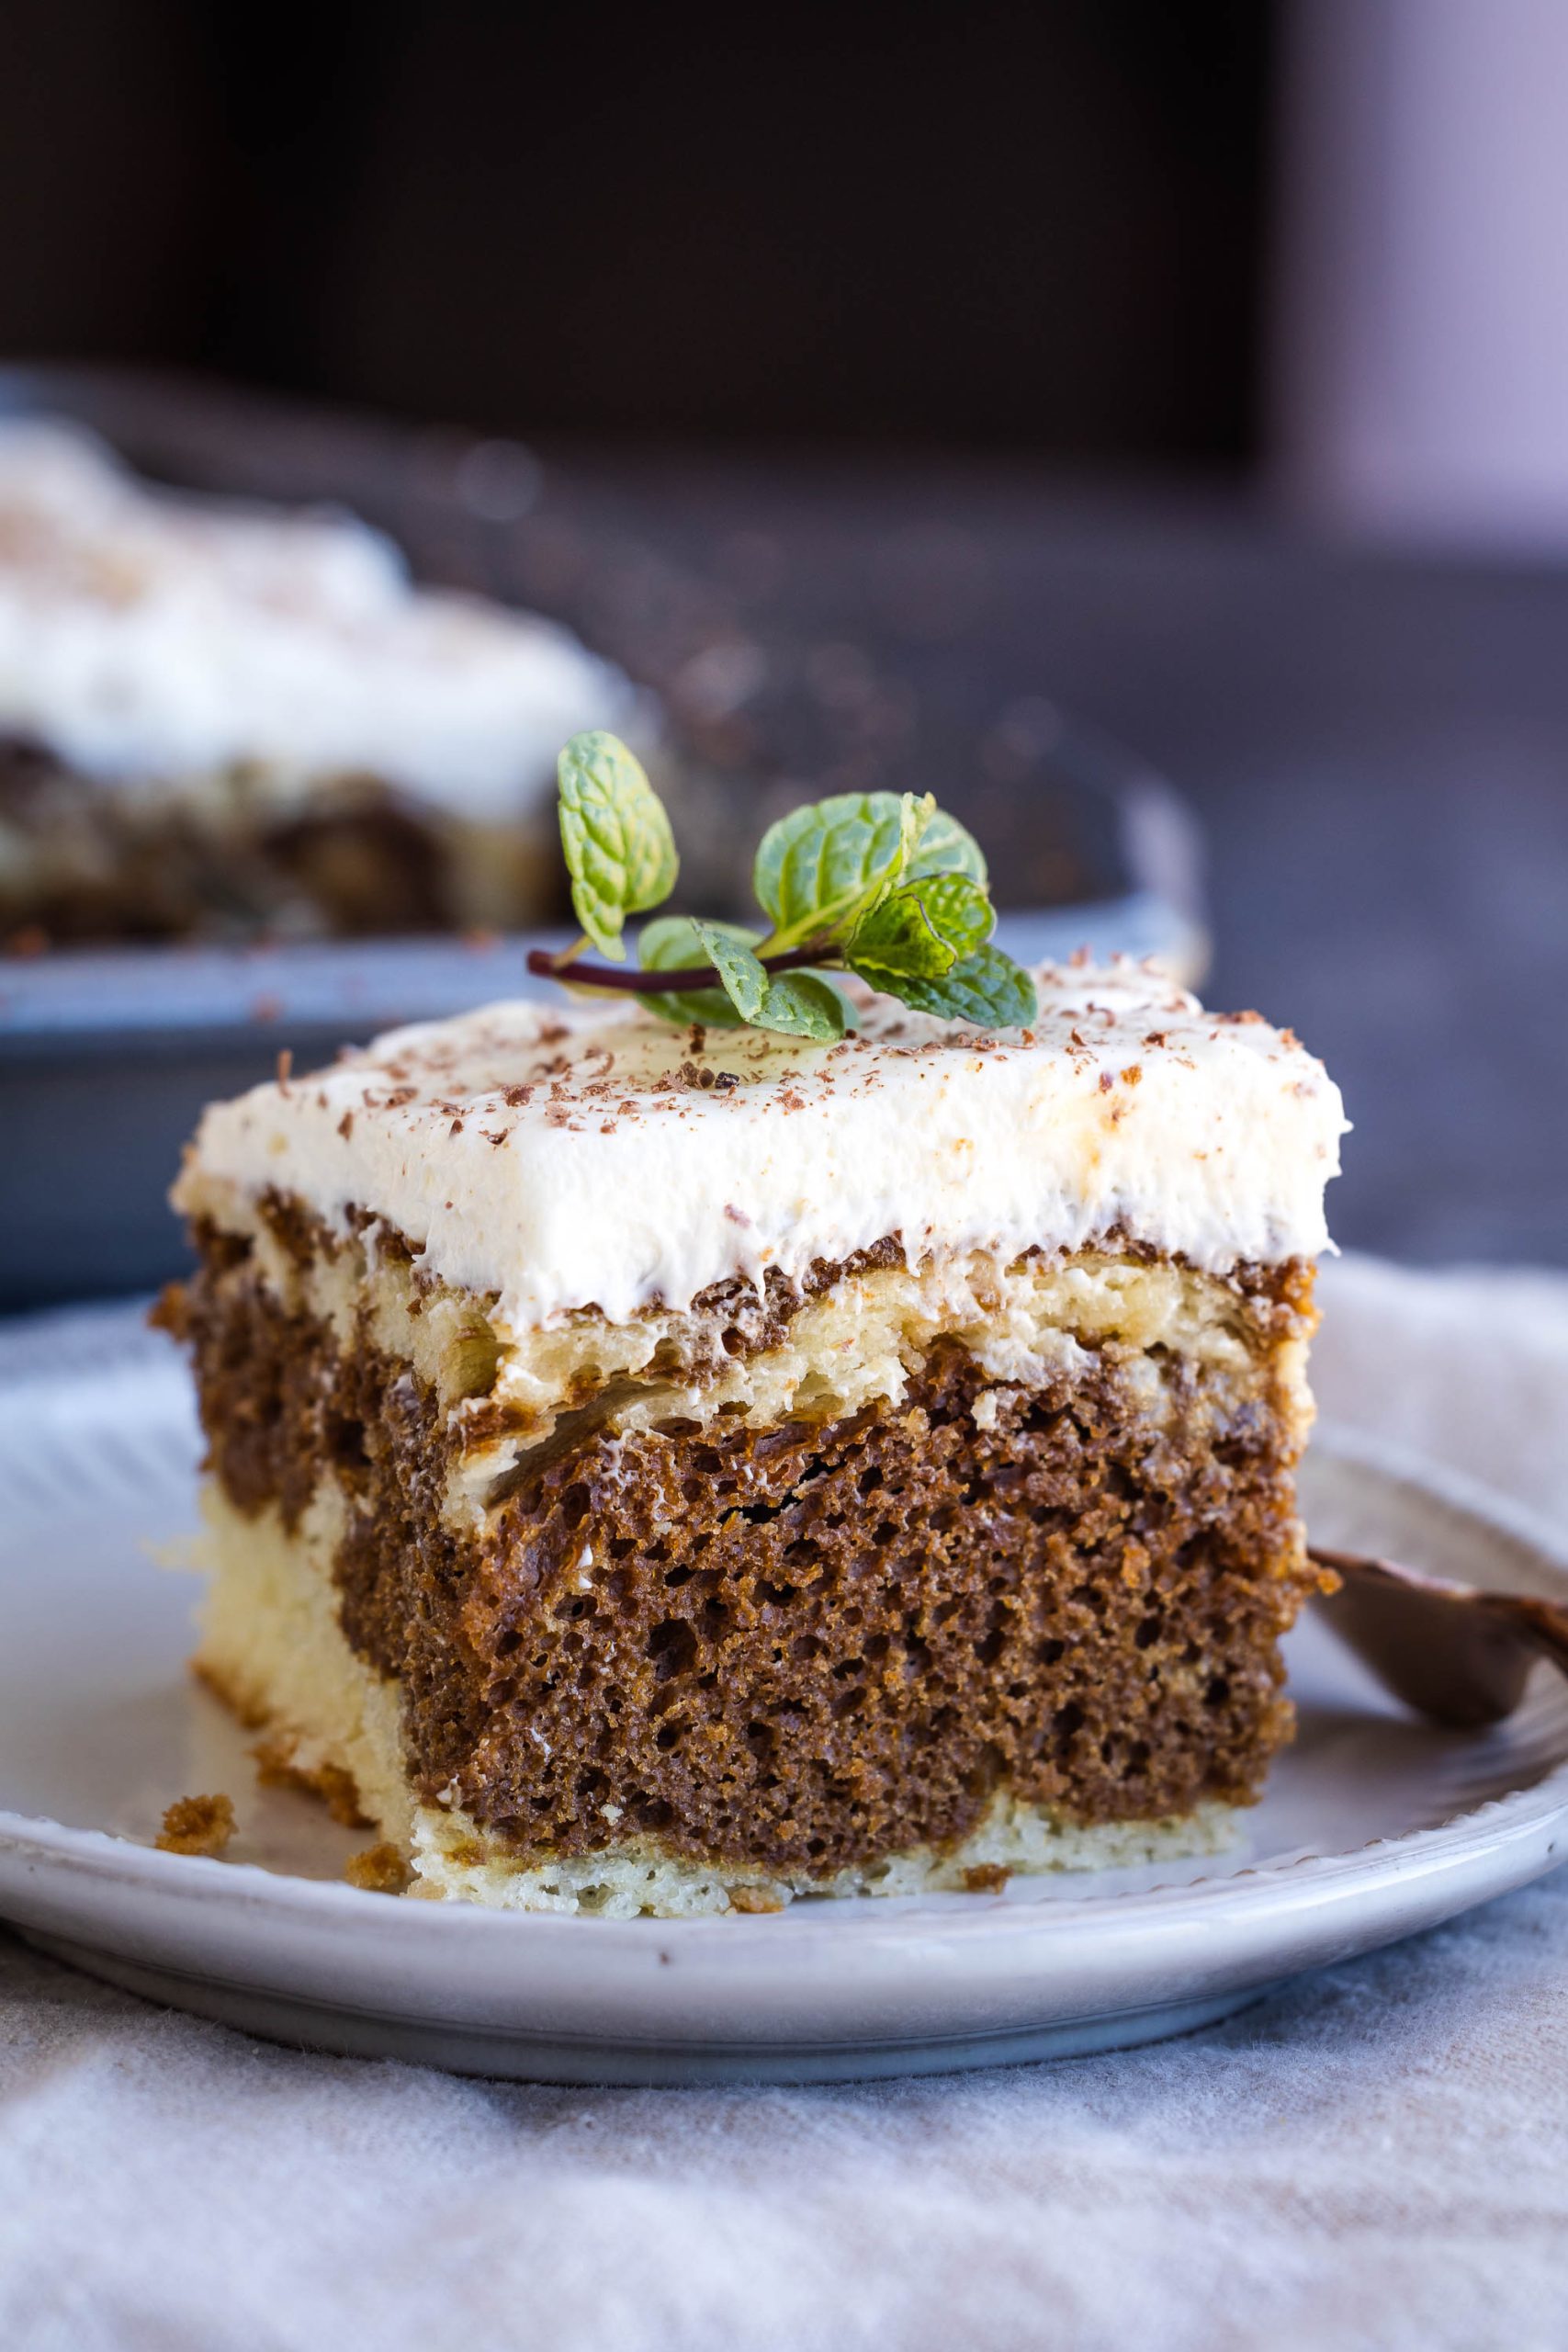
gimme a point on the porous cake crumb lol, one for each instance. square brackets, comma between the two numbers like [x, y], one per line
[197, 1826]
[379, 1870]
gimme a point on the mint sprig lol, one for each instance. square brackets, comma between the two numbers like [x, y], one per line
[882, 884]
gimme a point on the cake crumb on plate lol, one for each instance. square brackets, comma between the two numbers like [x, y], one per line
[379, 1870]
[197, 1826]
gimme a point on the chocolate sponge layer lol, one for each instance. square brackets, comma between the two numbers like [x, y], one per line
[800, 1646]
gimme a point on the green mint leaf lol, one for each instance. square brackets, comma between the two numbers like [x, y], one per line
[946, 848]
[796, 1004]
[671, 943]
[821, 869]
[921, 929]
[957, 906]
[984, 987]
[619, 849]
[744, 981]
[802, 1004]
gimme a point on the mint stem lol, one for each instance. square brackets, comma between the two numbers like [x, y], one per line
[637, 982]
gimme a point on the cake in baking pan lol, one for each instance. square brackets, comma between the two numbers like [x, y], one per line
[218, 719]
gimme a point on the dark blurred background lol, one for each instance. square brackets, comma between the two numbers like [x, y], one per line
[1212, 362]
[1032, 227]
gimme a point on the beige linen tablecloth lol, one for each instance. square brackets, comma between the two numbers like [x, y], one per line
[1378, 2157]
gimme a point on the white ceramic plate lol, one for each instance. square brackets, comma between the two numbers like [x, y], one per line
[1373, 1825]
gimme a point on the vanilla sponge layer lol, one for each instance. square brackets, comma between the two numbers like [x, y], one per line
[272, 1643]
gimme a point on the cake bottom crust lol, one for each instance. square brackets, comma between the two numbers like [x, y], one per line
[272, 1646]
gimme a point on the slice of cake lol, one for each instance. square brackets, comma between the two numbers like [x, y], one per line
[216, 718]
[677, 1469]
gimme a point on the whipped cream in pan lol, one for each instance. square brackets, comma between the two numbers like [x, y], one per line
[148, 637]
[563, 1157]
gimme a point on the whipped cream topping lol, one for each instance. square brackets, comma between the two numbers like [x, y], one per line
[563, 1157]
[147, 637]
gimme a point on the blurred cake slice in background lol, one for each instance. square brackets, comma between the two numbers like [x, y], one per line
[218, 719]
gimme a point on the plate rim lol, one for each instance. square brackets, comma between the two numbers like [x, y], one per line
[35, 1841]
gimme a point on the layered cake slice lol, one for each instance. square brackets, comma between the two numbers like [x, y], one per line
[677, 1469]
